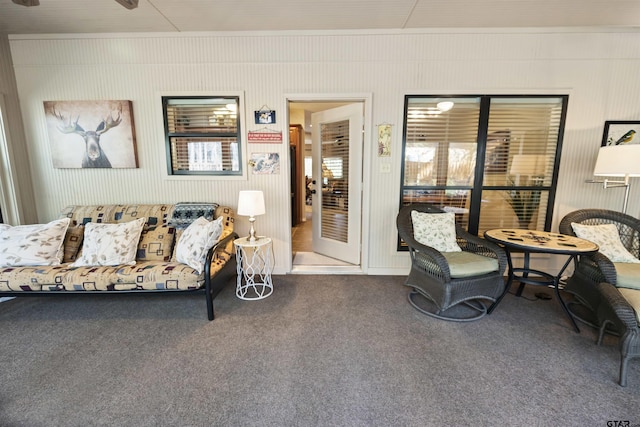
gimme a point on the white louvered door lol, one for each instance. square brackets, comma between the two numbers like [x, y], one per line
[337, 171]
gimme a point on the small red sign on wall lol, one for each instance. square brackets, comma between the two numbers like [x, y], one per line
[268, 137]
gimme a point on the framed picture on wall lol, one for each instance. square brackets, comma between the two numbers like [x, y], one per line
[265, 163]
[91, 134]
[265, 117]
[620, 132]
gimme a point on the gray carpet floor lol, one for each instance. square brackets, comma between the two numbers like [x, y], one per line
[320, 351]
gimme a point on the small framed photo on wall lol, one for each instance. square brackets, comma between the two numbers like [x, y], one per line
[265, 117]
[620, 132]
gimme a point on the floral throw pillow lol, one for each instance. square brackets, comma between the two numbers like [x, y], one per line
[110, 244]
[30, 245]
[606, 236]
[437, 230]
[196, 240]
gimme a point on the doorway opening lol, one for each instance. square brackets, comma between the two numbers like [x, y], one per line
[326, 170]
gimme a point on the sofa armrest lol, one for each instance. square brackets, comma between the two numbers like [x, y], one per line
[223, 245]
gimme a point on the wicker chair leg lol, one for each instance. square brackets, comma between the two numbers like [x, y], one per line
[476, 305]
[624, 362]
[603, 330]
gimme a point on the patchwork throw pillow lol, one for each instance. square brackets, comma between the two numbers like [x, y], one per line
[184, 213]
[196, 241]
[156, 243]
[110, 244]
[606, 236]
[30, 245]
[437, 230]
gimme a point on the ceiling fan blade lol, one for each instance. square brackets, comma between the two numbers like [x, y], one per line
[129, 4]
[27, 2]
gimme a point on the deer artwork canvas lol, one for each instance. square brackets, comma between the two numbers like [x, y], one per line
[91, 134]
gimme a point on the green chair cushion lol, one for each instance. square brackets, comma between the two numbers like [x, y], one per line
[633, 298]
[467, 264]
[627, 275]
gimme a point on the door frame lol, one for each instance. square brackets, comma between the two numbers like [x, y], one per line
[367, 152]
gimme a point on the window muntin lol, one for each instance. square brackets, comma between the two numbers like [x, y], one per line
[491, 159]
[203, 135]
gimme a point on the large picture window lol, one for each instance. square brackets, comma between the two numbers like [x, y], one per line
[492, 160]
[202, 135]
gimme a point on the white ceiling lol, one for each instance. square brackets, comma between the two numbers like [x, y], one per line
[107, 16]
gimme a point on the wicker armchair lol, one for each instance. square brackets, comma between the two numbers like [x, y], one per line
[434, 275]
[599, 302]
[590, 270]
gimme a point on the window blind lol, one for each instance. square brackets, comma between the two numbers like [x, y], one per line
[335, 178]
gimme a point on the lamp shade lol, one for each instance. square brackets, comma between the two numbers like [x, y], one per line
[528, 164]
[251, 203]
[618, 160]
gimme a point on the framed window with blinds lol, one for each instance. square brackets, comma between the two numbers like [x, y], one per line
[492, 160]
[203, 135]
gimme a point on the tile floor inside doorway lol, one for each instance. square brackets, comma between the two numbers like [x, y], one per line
[302, 243]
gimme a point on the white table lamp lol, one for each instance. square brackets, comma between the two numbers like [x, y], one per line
[251, 204]
[620, 161]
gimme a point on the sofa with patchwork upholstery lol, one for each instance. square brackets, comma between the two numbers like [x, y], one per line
[110, 249]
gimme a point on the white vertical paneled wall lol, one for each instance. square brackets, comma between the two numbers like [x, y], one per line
[596, 70]
[15, 180]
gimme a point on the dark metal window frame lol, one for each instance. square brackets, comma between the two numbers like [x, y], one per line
[168, 135]
[478, 187]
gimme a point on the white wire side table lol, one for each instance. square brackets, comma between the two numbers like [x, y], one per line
[254, 265]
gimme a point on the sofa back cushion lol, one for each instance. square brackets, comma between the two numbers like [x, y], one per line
[156, 214]
[228, 217]
[156, 243]
[160, 233]
[73, 243]
[80, 215]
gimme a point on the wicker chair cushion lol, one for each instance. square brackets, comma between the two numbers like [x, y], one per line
[606, 236]
[468, 264]
[627, 275]
[633, 298]
[437, 230]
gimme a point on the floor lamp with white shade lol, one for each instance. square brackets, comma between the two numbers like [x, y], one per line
[618, 161]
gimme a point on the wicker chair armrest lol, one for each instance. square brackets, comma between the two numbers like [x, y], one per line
[565, 225]
[617, 304]
[472, 243]
[599, 268]
[430, 260]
